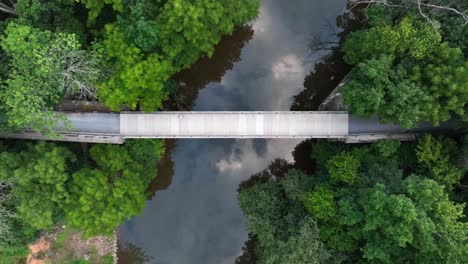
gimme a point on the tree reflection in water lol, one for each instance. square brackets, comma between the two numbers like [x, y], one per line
[206, 70]
[330, 70]
[128, 253]
[164, 169]
[190, 82]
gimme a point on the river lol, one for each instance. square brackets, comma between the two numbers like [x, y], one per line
[193, 216]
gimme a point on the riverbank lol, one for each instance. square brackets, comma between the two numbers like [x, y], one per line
[65, 245]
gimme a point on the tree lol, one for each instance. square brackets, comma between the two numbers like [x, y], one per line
[394, 219]
[419, 225]
[374, 72]
[82, 71]
[33, 86]
[248, 251]
[148, 47]
[138, 81]
[40, 169]
[95, 7]
[102, 198]
[304, 247]
[410, 37]
[402, 74]
[424, 8]
[320, 202]
[284, 232]
[188, 29]
[387, 215]
[138, 24]
[435, 159]
[6, 213]
[55, 16]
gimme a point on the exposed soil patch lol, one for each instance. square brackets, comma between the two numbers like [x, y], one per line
[64, 245]
[37, 251]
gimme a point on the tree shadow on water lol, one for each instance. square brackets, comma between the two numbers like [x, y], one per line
[329, 71]
[208, 69]
[128, 253]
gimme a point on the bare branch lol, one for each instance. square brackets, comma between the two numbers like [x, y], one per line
[421, 5]
[331, 27]
[5, 213]
[6, 9]
[463, 15]
[424, 15]
[80, 74]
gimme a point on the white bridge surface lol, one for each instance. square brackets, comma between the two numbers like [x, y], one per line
[114, 128]
[234, 125]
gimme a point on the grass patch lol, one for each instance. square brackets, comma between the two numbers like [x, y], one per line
[13, 254]
[108, 259]
[79, 261]
[62, 238]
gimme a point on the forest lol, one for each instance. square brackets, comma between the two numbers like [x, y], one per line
[122, 53]
[383, 202]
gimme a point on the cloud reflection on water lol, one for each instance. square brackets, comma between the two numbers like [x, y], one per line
[197, 219]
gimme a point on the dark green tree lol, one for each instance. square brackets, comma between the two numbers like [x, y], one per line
[385, 214]
[284, 232]
[38, 175]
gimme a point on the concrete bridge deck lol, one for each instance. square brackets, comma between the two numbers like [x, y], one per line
[115, 127]
[234, 125]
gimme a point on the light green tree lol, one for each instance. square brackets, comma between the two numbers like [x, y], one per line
[435, 159]
[148, 48]
[343, 168]
[102, 198]
[33, 85]
[320, 202]
[188, 30]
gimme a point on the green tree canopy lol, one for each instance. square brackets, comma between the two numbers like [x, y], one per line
[154, 41]
[285, 233]
[418, 225]
[95, 7]
[390, 212]
[55, 16]
[38, 175]
[33, 85]
[435, 157]
[102, 198]
[404, 73]
[344, 168]
[130, 52]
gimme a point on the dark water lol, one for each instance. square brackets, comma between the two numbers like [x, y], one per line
[193, 216]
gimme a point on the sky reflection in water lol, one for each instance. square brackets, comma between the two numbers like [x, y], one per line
[197, 219]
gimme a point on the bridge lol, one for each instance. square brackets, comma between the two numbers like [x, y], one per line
[116, 127]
